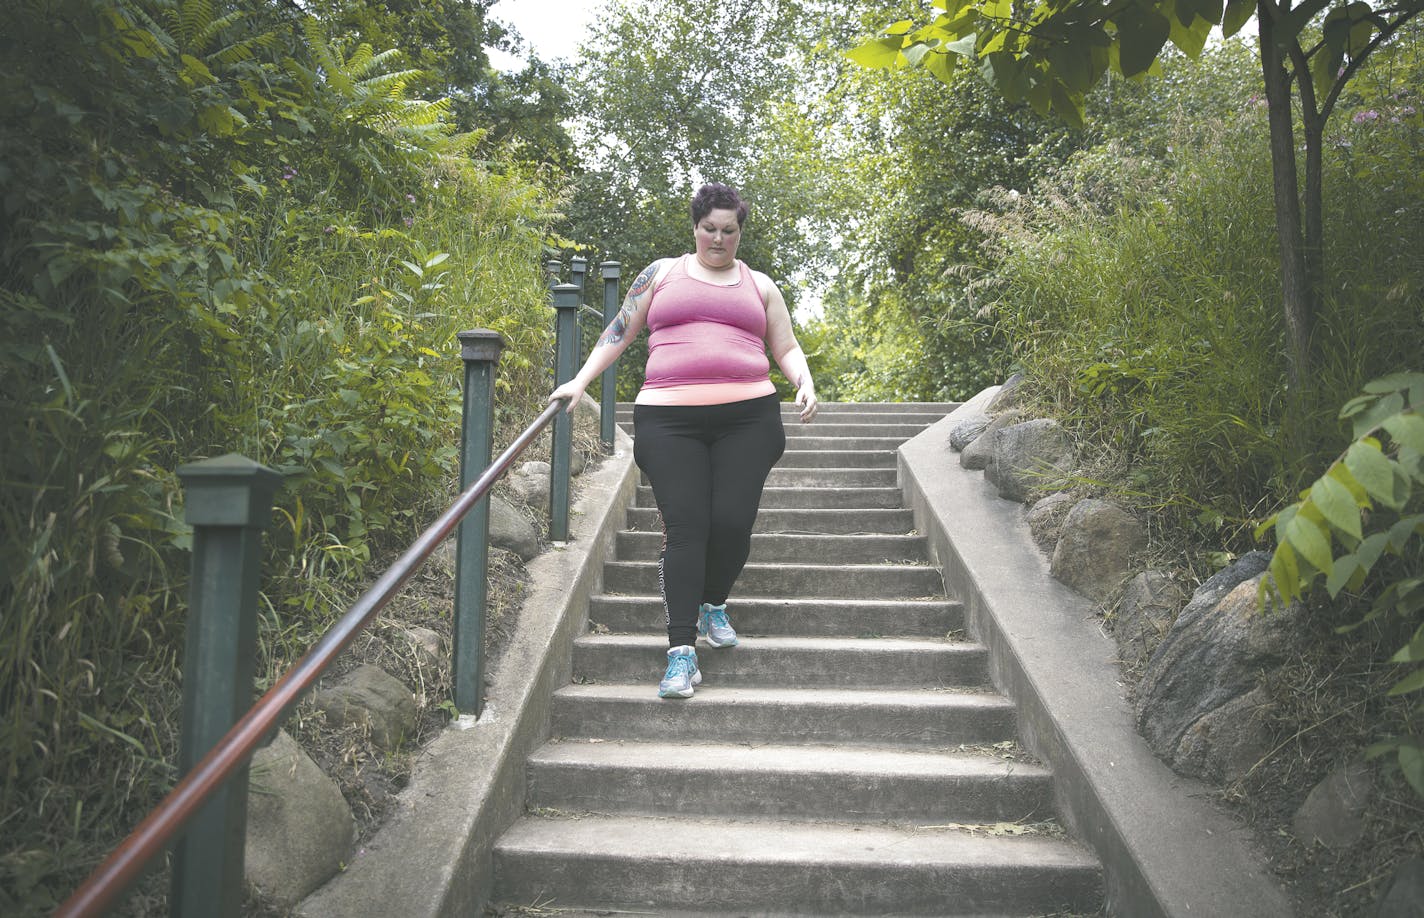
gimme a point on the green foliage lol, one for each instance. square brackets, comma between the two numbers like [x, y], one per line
[223, 231]
[1364, 516]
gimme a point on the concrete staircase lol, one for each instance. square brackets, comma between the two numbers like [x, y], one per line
[849, 757]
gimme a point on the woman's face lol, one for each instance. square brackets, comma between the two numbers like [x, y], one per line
[717, 235]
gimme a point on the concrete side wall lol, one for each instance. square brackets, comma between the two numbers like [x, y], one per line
[433, 856]
[1166, 848]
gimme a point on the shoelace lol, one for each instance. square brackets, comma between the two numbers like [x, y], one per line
[682, 665]
[717, 618]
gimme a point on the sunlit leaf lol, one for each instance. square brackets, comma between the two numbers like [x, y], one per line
[1337, 505]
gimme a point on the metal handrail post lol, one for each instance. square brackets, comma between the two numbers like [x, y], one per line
[552, 269]
[566, 305]
[228, 502]
[480, 349]
[578, 271]
[609, 395]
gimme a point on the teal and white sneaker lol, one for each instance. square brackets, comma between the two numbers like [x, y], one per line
[712, 624]
[682, 673]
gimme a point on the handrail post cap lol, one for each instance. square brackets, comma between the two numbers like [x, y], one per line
[566, 296]
[578, 262]
[480, 344]
[228, 490]
[611, 269]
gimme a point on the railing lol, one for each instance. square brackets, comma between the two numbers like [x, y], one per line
[228, 502]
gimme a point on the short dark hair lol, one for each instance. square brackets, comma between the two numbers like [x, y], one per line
[716, 196]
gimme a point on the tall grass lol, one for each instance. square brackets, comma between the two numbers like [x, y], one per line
[1144, 298]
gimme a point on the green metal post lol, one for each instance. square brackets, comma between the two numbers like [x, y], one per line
[566, 304]
[608, 403]
[552, 268]
[228, 502]
[578, 270]
[480, 349]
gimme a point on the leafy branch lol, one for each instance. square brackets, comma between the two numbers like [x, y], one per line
[1354, 516]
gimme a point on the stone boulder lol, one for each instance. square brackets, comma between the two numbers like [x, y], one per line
[1145, 613]
[1095, 549]
[1216, 652]
[1008, 396]
[299, 827]
[509, 529]
[1228, 741]
[371, 698]
[1045, 518]
[1031, 458]
[531, 483]
[1404, 897]
[979, 451]
[967, 430]
[1333, 812]
[425, 644]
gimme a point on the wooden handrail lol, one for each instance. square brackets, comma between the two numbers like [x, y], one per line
[163, 824]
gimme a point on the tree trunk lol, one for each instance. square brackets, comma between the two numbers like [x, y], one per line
[1297, 295]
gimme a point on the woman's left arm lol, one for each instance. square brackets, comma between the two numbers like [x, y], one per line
[784, 347]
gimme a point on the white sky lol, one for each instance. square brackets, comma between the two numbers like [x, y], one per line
[552, 27]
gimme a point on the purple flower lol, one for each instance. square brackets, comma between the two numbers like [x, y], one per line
[289, 173]
[409, 221]
[410, 198]
[1362, 117]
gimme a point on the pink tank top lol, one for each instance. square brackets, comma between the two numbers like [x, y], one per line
[703, 333]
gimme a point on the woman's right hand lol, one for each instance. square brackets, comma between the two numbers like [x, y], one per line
[570, 390]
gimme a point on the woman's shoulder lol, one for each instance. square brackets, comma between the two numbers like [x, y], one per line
[764, 284]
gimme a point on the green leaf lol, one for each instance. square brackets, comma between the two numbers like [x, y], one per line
[1367, 421]
[1338, 471]
[1411, 763]
[1238, 13]
[1141, 33]
[1190, 39]
[1285, 572]
[1346, 568]
[881, 52]
[1410, 683]
[1310, 540]
[1408, 429]
[1369, 550]
[1395, 382]
[1372, 469]
[1337, 505]
[1403, 528]
[1073, 65]
[1413, 652]
[915, 54]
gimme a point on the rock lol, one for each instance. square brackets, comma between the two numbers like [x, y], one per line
[1333, 812]
[1095, 548]
[531, 484]
[510, 529]
[370, 697]
[1146, 611]
[299, 827]
[577, 462]
[426, 644]
[1008, 395]
[978, 453]
[965, 431]
[1045, 518]
[1405, 896]
[1227, 742]
[1031, 458]
[1216, 651]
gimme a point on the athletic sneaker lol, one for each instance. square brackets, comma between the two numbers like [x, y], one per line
[713, 625]
[682, 673]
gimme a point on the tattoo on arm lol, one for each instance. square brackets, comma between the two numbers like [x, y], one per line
[619, 326]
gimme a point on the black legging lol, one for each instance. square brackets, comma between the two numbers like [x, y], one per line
[708, 465]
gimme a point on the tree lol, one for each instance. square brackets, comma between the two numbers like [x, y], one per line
[1052, 54]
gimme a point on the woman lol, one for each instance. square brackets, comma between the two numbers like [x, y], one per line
[707, 422]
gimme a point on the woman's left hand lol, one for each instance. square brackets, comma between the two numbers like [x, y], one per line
[806, 400]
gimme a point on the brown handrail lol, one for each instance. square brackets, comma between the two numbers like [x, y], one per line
[161, 826]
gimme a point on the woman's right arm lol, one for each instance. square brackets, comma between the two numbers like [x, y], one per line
[614, 340]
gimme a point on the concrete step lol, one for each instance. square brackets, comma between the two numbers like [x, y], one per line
[790, 662]
[826, 410]
[901, 430]
[810, 498]
[866, 581]
[888, 718]
[795, 458]
[831, 478]
[821, 783]
[800, 549]
[661, 864]
[799, 617]
[835, 522]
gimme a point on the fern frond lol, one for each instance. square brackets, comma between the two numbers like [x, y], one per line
[194, 17]
[155, 32]
[212, 30]
[333, 68]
